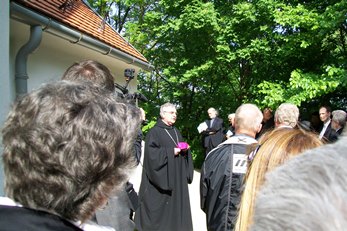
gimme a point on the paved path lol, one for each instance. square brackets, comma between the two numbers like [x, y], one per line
[199, 217]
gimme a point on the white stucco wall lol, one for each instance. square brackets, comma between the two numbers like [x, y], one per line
[5, 84]
[55, 55]
[46, 64]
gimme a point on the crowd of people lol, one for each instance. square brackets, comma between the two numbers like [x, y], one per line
[234, 172]
[69, 148]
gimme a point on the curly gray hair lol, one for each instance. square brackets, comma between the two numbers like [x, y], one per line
[306, 193]
[67, 146]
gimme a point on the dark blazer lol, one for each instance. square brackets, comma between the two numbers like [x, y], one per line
[339, 132]
[217, 133]
[330, 135]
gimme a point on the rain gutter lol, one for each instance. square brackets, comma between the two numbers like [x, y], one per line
[49, 25]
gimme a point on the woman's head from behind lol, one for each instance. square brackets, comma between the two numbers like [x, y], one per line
[276, 147]
[67, 146]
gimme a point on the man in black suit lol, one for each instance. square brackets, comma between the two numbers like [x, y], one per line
[326, 132]
[214, 134]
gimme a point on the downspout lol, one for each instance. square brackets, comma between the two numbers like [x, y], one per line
[21, 75]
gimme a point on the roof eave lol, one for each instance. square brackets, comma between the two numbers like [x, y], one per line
[49, 25]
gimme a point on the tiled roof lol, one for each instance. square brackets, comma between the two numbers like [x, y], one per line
[81, 17]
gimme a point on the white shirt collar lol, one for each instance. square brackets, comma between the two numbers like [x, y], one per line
[9, 202]
[327, 123]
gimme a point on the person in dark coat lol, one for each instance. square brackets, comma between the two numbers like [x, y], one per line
[167, 170]
[268, 122]
[214, 133]
[231, 129]
[327, 133]
[223, 170]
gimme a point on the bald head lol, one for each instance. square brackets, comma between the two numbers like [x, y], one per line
[248, 119]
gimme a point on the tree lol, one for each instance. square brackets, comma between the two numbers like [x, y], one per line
[223, 53]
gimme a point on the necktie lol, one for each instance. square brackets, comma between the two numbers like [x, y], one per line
[211, 124]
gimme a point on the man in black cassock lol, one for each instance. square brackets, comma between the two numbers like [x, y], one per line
[167, 170]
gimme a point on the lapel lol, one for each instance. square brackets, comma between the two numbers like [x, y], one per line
[327, 131]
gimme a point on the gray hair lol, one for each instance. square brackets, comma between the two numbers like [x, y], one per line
[339, 116]
[164, 107]
[232, 115]
[248, 117]
[213, 109]
[67, 147]
[307, 193]
[287, 114]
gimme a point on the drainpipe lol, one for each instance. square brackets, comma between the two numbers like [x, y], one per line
[21, 75]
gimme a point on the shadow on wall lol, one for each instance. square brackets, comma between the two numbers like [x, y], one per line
[2, 178]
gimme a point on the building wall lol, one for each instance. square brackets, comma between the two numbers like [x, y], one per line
[54, 55]
[5, 84]
[45, 64]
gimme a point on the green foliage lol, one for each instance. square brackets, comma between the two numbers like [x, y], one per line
[300, 88]
[148, 126]
[224, 53]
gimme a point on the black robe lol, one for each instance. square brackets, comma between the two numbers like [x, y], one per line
[163, 197]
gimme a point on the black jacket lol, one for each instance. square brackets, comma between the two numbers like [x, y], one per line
[217, 129]
[14, 218]
[221, 182]
[330, 135]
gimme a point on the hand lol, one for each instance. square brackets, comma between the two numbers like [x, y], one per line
[177, 151]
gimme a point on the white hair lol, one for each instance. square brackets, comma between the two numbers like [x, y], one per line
[164, 107]
[287, 114]
[232, 115]
[309, 192]
[214, 110]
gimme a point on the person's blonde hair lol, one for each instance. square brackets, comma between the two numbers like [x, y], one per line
[276, 147]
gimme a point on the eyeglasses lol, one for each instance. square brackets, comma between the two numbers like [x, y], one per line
[171, 112]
